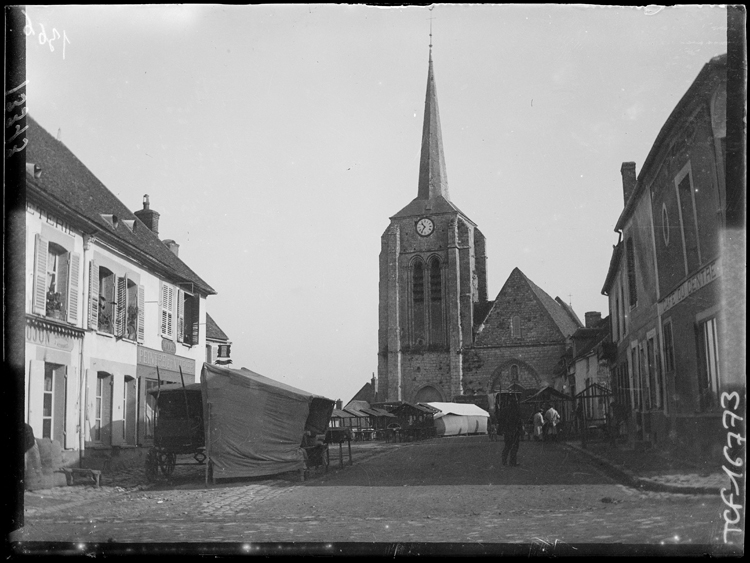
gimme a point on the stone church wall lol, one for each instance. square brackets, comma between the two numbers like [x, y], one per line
[425, 368]
[486, 369]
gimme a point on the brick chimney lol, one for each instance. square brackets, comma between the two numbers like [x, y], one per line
[172, 246]
[149, 217]
[338, 404]
[593, 318]
[628, 179]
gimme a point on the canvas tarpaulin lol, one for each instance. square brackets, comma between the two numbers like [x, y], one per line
[454, 419]
[254, 425]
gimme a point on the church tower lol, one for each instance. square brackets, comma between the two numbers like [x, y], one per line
[432, 275]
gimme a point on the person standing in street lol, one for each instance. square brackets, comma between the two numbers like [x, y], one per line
[538, 424]
[552, 417]
[513, 426]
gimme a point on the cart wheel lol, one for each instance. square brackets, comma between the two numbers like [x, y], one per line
[152, 466]
[167, 462]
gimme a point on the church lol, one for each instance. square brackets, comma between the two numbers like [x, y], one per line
[440, 338]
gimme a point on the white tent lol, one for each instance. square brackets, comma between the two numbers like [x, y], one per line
[455, 419]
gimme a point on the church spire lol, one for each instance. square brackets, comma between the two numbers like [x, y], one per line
[433, 180]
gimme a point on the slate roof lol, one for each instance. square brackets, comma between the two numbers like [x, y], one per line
[559, 315]
[79, 197]
[213, 332]
[367, 393]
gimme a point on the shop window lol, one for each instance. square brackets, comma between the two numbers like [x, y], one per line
[149, 408]
[654, 372]
[635, 377]
[708, 363]
[56, 273]
[668, 347]
[129, 409]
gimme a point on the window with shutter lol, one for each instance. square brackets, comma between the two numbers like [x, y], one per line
[93, 295]
[141, 315]
[107, 301]
[181, 315]
[40, 276]
[74, 273]
[167, 311]
[131, 310]
[122, 284]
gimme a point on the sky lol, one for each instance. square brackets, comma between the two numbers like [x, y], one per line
[276, 141]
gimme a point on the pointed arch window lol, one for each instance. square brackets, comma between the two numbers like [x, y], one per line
[436, 320]
[418, 312]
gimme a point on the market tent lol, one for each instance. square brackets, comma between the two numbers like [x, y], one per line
[454, 419]
[254, 425]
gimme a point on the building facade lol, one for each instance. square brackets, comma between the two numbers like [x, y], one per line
[439, 336]
[110, 309]
[665, 301]
[218, 345]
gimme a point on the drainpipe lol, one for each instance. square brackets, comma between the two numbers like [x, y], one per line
[87, 240]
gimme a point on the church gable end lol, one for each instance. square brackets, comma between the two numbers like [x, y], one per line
[519, 317]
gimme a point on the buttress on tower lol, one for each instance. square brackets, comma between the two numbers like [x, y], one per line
[432, 275]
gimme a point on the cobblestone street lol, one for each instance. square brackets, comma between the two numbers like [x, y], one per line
[440, 490]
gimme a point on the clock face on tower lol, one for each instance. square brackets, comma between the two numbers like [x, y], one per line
[425, 226]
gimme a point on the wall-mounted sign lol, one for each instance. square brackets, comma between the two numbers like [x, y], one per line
[170, 362]
[168, 346]
[699, 280]
[42, 337]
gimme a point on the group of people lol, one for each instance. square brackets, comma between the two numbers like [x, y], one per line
[546, 422]
[510, 423]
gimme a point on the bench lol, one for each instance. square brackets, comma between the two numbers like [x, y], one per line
[72, 473]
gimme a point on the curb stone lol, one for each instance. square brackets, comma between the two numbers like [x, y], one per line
[633, 480]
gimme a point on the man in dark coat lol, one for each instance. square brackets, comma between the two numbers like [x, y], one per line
[512, 428]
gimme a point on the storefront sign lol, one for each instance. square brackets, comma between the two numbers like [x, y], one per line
[42, 337]
[170, 362]
[701, 279]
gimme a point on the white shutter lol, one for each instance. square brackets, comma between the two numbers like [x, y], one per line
[73, 283]
[121, 306]
[40, 276]
[93, 295]
[141, 314]
[36, 396]
[167, 310]
[180, 315]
